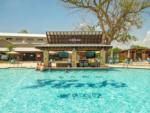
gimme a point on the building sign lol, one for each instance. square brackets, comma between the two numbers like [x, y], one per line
[74, 40]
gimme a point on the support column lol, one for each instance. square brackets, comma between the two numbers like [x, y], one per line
[74, 58]
[99, 57]
[135, 56]
[103, 56]
[112, 53]
[46, 57]
[129, 55]
[143, 55]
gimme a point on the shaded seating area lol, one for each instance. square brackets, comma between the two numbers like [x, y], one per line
[90, 60]
[13, 57]
[60, 59]
[64, 59]
[83, 63]
[136, 54]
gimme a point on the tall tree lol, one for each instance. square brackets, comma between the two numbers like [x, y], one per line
[115, 17]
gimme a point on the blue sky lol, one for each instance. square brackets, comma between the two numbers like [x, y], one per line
[39, 16]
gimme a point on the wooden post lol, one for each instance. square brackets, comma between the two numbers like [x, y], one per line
[99, 57]
[46, 57]
[143, 55]
[128, 56]
[112, 54]
[135, 56]
[74, 58]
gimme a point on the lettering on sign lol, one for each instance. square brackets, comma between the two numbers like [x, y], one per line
[74, 40]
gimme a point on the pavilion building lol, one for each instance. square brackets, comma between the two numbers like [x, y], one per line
[77, 44]
[136, 54]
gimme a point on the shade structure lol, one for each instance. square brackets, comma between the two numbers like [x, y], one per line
[90, 54]
[63, 54]
[12, 53]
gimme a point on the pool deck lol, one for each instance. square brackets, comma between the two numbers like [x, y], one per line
[135, 65]
[32, 65]
[18, 65]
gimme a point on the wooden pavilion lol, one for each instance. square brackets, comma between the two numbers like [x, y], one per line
[76, 42]
[135, 54]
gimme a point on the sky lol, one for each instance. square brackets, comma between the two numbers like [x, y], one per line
[39, 16]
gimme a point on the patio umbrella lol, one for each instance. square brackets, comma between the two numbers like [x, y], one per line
[63, 54]
[90, 54]
[12, 53]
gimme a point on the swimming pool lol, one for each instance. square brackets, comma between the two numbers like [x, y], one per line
[83, 91]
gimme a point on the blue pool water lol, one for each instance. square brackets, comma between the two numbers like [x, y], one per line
[82, 91]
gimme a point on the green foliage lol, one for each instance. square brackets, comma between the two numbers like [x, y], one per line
[24, 31]
[115, 51]
[124, 37]
[10, 47]
[138, 47]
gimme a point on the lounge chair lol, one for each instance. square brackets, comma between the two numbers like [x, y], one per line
[12, 61]
[128, 61]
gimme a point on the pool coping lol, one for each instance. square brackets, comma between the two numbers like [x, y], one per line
[80, 68]
[129, 66]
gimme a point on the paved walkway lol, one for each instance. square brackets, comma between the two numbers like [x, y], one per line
[19, 64]
[138, 65]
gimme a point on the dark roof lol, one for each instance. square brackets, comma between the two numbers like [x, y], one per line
[4, 43]
[74, 33]
[136, 49]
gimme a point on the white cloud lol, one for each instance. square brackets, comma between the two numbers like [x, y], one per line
[146, 41]
[147, 36]
[84, 24]
[122, 45]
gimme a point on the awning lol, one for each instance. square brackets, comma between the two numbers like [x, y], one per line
[21, 49]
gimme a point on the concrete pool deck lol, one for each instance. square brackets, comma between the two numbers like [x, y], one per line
[138, 65]
[18, 65]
